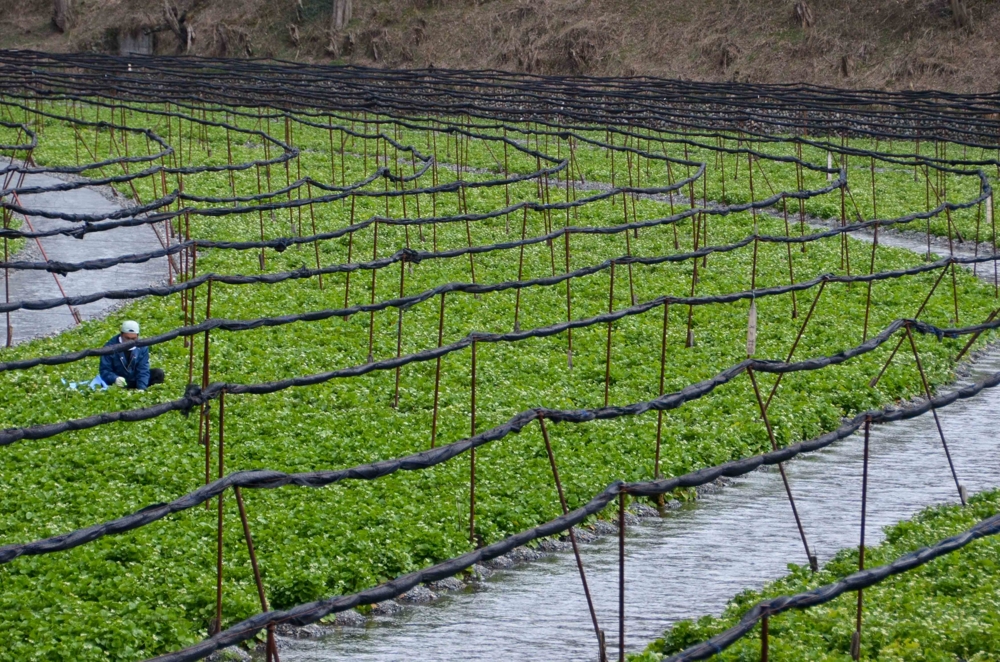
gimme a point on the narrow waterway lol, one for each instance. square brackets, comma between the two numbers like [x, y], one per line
[30, 285]
[693, 560]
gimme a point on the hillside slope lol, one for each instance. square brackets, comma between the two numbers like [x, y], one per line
[894, 44]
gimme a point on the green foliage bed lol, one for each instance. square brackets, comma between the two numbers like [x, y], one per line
[131, 596]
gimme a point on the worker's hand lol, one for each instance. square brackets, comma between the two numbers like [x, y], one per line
[120, 382]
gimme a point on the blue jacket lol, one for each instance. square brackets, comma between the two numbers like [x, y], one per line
[133, 365]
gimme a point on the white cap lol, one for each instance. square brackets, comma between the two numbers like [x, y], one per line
[130, 326]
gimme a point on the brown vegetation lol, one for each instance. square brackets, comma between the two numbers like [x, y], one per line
[895, 44]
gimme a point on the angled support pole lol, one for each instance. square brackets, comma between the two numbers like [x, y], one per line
[572, 539]
[813, 563]
[937, 421]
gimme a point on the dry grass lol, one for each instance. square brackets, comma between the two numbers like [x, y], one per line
[885, 44]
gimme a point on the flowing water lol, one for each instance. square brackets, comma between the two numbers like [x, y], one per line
[27, 285]
[693, 560]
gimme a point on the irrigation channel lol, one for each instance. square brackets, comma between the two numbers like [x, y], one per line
[697, 556]
[26, 286]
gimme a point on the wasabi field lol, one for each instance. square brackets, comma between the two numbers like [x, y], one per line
[412, 321]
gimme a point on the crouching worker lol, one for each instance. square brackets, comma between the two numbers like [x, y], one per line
[128, 368]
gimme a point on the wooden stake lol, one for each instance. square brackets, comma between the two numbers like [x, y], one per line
[472, 454]
[437, 375]
[602, 653]
[607, 357]
[371, 315]
[813, 563]
[856, 639]
[399, 331]
[218, 541]
[659, 413]
[621, 576]
[520, 273]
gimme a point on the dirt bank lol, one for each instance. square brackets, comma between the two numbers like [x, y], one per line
[895, 44]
